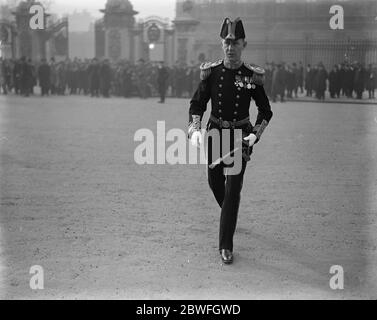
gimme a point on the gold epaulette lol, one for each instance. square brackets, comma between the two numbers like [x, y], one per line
[256, 69]
[258, 73]
[206, 68]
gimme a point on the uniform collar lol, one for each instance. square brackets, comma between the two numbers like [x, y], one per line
[241, 65]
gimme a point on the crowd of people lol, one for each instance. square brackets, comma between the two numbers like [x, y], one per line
[97, 78]
[349, 80]
[149, 79]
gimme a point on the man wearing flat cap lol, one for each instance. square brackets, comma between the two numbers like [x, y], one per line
[230, 84]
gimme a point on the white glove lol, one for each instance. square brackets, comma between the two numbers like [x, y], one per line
[196, 139]
[252, 138]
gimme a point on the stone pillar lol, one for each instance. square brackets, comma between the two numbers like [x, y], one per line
[100, 42]
[138, 44]
[29, 43]
[118, 30]
[185, 31]
[169, 47]
[7, 36]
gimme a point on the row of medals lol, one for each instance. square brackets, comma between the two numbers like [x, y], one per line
[244, 82]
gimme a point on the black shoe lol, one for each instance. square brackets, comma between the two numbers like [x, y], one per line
[226, 256]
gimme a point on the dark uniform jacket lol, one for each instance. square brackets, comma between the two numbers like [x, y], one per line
[230, 92]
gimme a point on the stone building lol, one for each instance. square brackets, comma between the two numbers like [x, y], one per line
[119, 36]
[279, 30]
[7, 33]
[18, 39]
[81, 35]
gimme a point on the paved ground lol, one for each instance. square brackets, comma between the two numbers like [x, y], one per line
[74, 201]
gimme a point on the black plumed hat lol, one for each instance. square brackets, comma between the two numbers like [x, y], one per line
[233, 30]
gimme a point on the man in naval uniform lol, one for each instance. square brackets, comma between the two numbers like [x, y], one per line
[230, 84]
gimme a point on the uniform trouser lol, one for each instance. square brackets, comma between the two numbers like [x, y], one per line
[227, 191]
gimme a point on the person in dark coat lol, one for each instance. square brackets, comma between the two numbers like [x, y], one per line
[309, 80]
[180, 78]
[189, 81]
[62, 77]
[320, 82]
[17, 72]
[359, 78]
[290, 81]
[53, 76]
[44, 76]
[94, 78]
[370, 81]
[73, 76]
[7, 74]
[84, 78]
[342, 73]
[2, 77]
[34, 76]
[268, 76]
[105, 78]
[348, 81]
[126, 80]
[300, 78]
[334, 82]
[162, 80]
[26, 79]
[141, 76]
[196, 77]
[278, 83]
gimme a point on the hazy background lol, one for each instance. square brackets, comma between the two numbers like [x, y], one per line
[164, 8]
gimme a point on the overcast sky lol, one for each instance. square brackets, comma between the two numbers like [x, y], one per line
[163, 8]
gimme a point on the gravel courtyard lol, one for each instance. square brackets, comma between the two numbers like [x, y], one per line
[73, 200]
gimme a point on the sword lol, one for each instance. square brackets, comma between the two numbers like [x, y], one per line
[218, 161]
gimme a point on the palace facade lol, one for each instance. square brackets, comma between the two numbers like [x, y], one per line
[279, 30]
[17, 39]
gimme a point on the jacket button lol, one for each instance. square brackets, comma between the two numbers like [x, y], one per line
[220, 103]
[220, 95]
[237, 105]
[220, 111]
[222, 78]
[238, 97]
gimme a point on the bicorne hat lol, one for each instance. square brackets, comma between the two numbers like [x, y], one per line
[232, 30]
